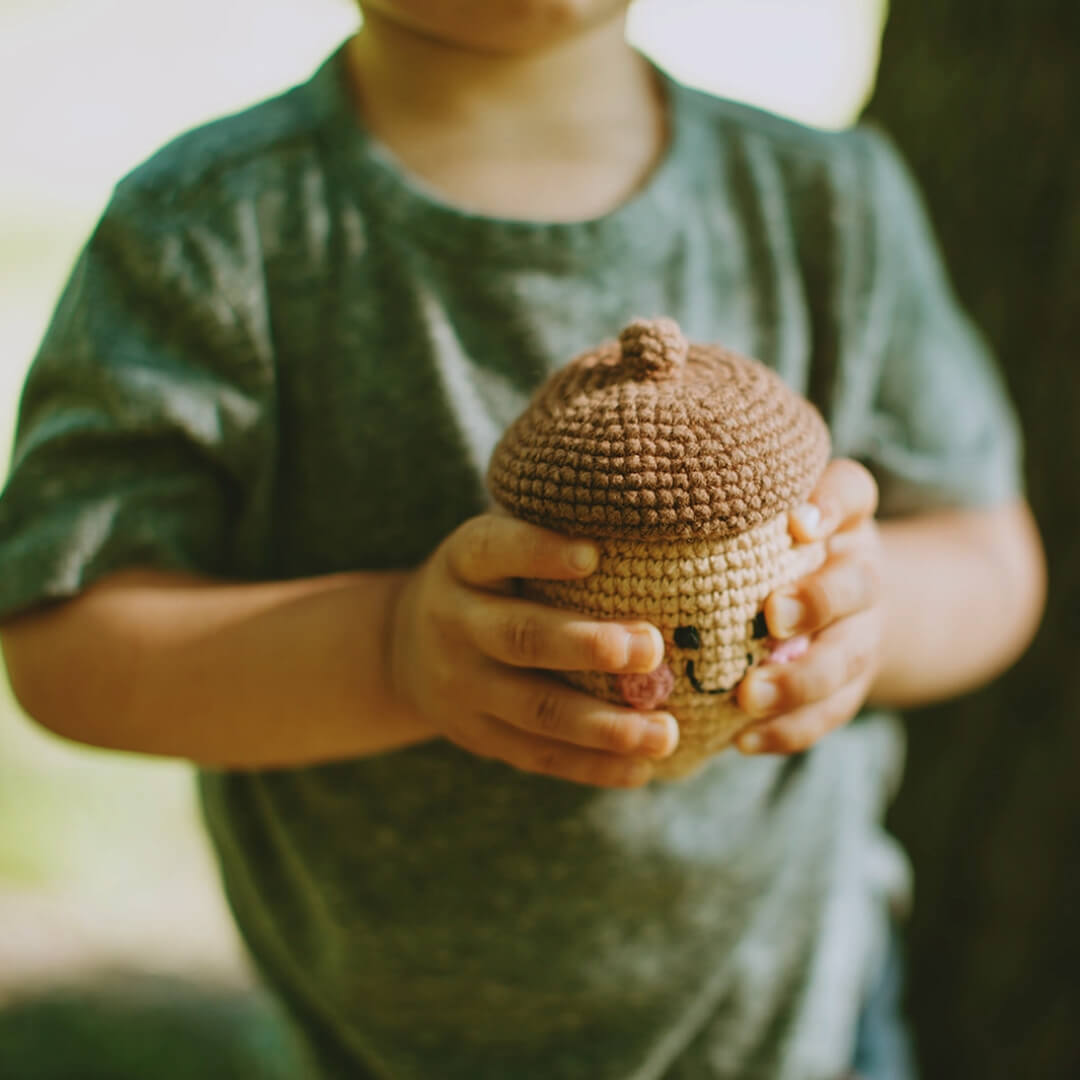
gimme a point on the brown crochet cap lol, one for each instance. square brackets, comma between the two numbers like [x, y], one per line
[655, 439]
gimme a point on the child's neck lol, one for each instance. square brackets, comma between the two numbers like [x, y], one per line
[562, 134]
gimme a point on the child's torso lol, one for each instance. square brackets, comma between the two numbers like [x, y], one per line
[446, 915]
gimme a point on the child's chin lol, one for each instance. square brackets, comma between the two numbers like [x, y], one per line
[500, 26]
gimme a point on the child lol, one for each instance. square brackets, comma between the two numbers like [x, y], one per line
[250, 463]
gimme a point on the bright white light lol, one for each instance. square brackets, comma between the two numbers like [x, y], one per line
[90, 88]
[813, 60]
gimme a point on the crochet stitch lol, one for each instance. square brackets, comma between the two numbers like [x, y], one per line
[653, 439]
[681, 461]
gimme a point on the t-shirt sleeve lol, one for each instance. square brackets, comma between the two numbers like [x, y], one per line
[143, 433]
[943, 432]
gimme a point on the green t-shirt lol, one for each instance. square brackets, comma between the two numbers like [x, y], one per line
[279, 356]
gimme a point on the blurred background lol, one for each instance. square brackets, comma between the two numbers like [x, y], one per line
[114, 941]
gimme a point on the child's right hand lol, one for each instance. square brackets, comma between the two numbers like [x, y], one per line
[465, 650]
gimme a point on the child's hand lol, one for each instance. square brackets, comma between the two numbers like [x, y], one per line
[839, 605]
[464, 652]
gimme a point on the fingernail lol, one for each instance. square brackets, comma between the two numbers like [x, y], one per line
[763, 695]
[641, 651]
[788, 613]
[583, 557]
[808, 517]
[660, 738]
[751, 743]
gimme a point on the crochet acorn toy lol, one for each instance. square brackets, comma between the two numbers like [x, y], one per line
[681, 462]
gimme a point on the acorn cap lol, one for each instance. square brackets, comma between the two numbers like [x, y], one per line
[655, 439]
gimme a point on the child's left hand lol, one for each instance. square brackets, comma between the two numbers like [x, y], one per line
[795, 704]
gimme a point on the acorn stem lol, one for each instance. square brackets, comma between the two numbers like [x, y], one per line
[653, 348]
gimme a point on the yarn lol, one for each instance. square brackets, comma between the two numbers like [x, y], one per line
[653, 348]
[717, 587]
[643, 444]
[649, 691]
[681, 461]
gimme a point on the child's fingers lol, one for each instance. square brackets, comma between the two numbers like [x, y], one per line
[846, 494]
[490, 737]
[488, 549]
[837, 657]
[532, 635]
[544, 707]
[843, 586]
[801, 728]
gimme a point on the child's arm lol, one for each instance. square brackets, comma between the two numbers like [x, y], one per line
[905, 612]
[243, 675]
[294, 673]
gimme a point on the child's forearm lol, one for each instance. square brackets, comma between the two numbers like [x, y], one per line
[294, 673]
[963, 594]
[245, 676]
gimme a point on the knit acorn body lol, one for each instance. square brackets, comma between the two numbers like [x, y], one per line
[682, 462]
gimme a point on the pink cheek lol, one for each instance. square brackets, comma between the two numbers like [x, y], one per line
[647, 691]
[783, 652]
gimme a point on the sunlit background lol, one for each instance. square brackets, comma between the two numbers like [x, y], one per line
[101, 861]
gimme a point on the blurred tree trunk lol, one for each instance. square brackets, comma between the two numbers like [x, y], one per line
[983, 98]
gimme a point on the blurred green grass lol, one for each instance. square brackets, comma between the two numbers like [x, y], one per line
[135, 1029]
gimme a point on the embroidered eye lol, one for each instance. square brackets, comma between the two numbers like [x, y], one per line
[760, 629]
[687, 637]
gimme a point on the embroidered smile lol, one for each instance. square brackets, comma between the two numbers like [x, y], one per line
[687, 637]
[696, 685]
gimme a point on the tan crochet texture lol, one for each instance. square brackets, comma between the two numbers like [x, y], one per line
[652, 438]
[681, 461]
[716, 586]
